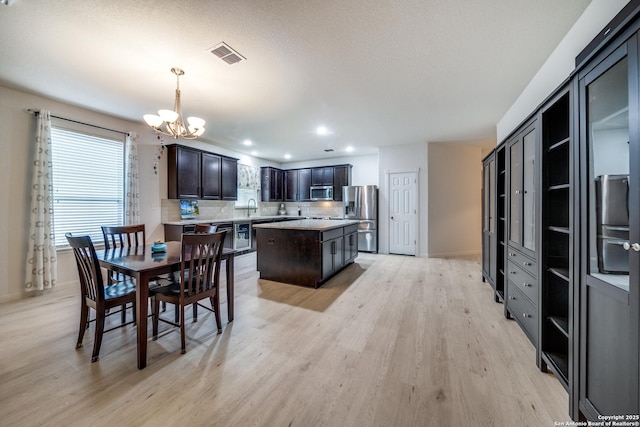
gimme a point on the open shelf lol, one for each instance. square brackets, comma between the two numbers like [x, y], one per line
[562, 273]
[558, 187]
[559, 144]
[559, 365]
[563, 230]
[562, 323]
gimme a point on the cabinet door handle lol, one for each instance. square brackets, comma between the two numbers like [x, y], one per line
[512, 298]
[627, 246]
[526, 285]
[512, 272]
[528, 264]
[525, 315]
[512, 254]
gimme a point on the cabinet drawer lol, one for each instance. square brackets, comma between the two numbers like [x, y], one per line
[525, 262]
[522, 280]
[525, 313]
[331, 234]
[351, 229]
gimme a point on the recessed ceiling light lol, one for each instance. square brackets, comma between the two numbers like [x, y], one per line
[287, 156]
[247, 142]
[322, 130]
[349, 149]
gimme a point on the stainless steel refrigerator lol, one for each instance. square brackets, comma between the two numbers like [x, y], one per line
[361, 203]
[612, 216]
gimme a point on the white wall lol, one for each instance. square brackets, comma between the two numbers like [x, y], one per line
[560, 64]
[455, 204]
[403, 158]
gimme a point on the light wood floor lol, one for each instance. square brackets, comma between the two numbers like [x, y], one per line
[391, 341]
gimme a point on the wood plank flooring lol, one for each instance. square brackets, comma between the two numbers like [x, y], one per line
[390, 341]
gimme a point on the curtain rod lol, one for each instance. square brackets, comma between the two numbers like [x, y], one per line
[36, 112]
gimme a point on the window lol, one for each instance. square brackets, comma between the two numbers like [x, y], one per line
[88, 183]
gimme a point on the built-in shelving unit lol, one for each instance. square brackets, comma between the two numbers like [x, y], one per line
[501, 225]
[555, 257]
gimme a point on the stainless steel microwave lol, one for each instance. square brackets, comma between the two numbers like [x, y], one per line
[322, 192]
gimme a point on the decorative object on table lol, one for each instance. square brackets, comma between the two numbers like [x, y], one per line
[159, 247]
[172, 121]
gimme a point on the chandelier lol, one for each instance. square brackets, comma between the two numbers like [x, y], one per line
[174, 124]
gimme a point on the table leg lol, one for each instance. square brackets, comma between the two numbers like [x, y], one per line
[142, 305]
[230, 285]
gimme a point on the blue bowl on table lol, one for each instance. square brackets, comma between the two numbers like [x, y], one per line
[159, 247]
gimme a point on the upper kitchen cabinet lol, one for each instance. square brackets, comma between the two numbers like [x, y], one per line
[304, 185]
[322, 176]
[229, 178]
[609, 105]
[271, 180]
[341, 178]
[291, 189]
[184, 170]
[196, 174]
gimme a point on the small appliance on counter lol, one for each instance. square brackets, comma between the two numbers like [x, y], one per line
[282, 210]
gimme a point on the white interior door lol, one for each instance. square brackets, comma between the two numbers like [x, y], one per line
[403, 213]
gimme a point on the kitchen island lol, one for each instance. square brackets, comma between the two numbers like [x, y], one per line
[305, 252]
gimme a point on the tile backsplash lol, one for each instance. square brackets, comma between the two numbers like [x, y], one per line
[218, 209]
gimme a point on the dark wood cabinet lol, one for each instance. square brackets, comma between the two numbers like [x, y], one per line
[184, 172]
[341, 178]
[572, 233]
[210, 176]
[229, 179]
[304, 185]
[322, 176]
[350, 243]
[196, 174]
[291, 188]
[609, 268]
[271, 180]
[521, 288]
[491, 238]
[556, 276]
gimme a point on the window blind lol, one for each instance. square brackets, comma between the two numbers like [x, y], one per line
[88, 184]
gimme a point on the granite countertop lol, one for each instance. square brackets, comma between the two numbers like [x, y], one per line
[236, 219]
[308, 224]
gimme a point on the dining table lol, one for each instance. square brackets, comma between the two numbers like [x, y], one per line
[144, 266]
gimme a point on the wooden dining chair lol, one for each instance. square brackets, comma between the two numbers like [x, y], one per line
[94, 294]
[205, 228]
[199, 279]
[123, 236]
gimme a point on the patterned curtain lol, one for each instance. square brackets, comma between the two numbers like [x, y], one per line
[132, 196]
[41, 268]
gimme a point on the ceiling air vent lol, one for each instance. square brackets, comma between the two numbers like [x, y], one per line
[226, 53]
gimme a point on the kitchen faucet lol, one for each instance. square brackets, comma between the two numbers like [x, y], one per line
[255, 207]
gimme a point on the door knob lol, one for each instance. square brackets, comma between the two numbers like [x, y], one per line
[634, 246]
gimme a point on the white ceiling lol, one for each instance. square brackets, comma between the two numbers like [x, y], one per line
[376, 72]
